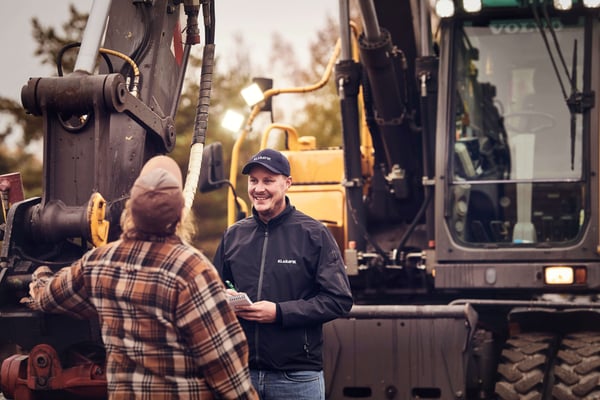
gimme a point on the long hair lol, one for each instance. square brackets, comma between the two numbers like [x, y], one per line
[184, 228]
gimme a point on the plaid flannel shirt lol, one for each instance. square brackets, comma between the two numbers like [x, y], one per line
[166, 325]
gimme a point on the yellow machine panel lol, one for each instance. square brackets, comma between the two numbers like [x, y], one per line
[317, 189]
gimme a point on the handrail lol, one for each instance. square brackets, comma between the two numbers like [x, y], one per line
[292, 145]
[235, 152]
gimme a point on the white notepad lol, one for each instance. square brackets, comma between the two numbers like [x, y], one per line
[240, 299]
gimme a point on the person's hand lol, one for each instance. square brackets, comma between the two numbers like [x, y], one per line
[39, 278]
[261, 311]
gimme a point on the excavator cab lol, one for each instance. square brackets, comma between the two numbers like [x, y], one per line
[516, 172]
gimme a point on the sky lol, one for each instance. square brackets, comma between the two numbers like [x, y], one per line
[255, 21]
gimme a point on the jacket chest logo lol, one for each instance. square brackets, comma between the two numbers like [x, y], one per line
[285, 261]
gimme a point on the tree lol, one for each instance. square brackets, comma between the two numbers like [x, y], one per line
[320, 116]
[26, 129]
[209, 209]
[49, 44]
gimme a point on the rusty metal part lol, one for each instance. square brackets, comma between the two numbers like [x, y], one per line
[25, 377]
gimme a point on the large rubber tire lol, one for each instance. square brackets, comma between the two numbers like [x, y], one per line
[577, 367]
[523, 365]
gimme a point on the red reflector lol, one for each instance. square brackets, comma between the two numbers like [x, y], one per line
[580, 275]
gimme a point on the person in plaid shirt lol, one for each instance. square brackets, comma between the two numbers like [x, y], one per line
[166, 325]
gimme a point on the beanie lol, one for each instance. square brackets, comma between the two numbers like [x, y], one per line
[156, 200]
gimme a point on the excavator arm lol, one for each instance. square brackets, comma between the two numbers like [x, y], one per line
[102, 122]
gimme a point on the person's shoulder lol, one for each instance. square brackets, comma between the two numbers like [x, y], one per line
[192, 262]
[101, 251]
[191, 251]
[307, 225]
[306, 220]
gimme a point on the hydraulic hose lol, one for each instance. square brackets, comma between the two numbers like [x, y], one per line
[201, 121]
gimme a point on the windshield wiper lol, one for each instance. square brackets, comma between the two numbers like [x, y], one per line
[577, 102]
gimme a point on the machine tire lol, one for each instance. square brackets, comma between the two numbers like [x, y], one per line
[523, 364]
[577, 367]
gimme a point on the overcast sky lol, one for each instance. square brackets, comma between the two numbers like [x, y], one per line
[256, 20]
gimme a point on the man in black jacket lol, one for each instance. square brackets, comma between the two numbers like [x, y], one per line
[291, 268]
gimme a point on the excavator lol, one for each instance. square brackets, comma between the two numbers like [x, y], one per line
[101, 122]
[463, 195]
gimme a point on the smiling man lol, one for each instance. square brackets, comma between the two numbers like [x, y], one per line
[291, 268]
[268, 181]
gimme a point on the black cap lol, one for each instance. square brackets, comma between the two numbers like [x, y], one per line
[271, 159]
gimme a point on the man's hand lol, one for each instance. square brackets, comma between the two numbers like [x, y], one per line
[260, 311]
[39, 278]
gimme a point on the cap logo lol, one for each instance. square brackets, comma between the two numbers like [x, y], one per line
[270, 159]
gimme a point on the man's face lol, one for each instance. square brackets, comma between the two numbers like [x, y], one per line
[267, 192]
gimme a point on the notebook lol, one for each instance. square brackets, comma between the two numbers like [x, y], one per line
[240, 299]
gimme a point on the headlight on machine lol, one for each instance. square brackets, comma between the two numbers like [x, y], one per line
[564, 275]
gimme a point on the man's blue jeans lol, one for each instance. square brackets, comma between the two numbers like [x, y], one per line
[287, 385]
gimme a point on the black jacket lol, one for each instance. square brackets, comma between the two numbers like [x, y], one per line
[294, 262]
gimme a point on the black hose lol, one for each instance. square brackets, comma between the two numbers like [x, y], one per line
[208, 62]
[201, 121]
[69, 46]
